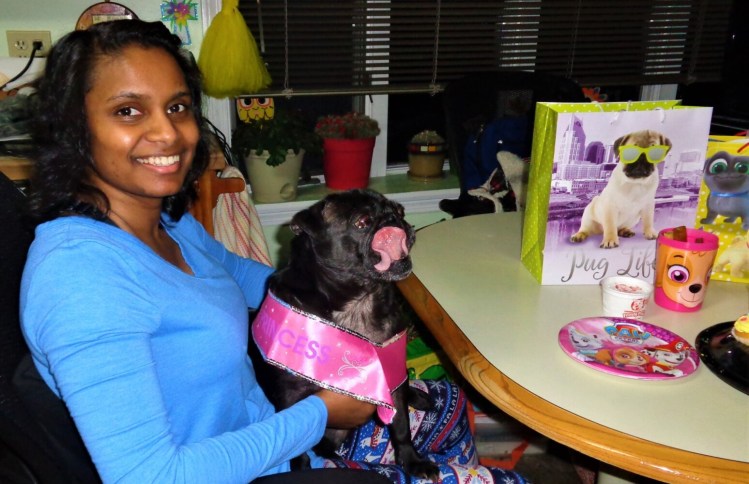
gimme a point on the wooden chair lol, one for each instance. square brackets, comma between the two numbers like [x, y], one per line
[210, 186]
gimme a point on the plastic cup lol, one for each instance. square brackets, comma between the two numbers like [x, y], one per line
[683, 268]
[625, 297]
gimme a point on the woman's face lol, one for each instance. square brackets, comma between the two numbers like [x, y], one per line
[143, 131]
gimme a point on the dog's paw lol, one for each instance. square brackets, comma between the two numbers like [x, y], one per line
[419, 399]
[625, 232]
[578, 237]
[609, 243]
[414, 465]
[423, 468]
[651, 235]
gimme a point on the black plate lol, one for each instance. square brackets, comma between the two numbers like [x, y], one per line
[725, 356]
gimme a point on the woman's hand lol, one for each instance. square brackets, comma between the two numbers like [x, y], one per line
[345, 412]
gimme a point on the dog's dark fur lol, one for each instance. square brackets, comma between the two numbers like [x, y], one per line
[331, 274]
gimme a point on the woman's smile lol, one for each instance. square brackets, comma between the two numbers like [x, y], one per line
[160, 160]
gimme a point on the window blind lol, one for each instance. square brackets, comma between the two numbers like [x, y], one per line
[387, 45]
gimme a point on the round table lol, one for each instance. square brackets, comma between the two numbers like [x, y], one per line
[500, 328]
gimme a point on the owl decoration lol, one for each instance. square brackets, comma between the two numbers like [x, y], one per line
[255, 108]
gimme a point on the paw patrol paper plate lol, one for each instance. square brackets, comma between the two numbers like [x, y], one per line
[628, 348]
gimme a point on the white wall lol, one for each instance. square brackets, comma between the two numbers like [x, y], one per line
[60, 17]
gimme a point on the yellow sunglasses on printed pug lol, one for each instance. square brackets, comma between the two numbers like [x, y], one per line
[654, 154]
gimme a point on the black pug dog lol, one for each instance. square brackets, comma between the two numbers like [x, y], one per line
[347, 251]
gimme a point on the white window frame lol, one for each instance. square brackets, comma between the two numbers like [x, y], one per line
[220, 111]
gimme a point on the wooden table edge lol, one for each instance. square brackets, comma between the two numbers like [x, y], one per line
[602, 443]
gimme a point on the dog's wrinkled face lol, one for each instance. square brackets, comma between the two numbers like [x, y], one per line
[641, 168]
[358, 232]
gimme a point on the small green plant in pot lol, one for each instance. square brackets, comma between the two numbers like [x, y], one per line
[426, 156]
[273, 150]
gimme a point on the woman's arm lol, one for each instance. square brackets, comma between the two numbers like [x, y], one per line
[91, 328]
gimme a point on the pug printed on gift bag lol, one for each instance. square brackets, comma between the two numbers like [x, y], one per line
[605, 179]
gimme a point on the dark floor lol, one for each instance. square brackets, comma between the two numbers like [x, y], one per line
[561, 465]
[558, 465]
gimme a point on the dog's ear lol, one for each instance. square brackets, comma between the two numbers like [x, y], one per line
[619, 142]
[662, 139]
[309, 220]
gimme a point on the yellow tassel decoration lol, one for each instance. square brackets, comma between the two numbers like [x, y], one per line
[229, 57]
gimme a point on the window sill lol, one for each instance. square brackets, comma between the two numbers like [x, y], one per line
[415, 196]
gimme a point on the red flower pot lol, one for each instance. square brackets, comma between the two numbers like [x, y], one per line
[346, 162]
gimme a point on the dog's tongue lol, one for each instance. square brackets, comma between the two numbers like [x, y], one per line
[390, 243]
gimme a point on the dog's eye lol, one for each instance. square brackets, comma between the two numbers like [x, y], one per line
[678, 273]
[718, 166]
[363, 222]
[742, 167]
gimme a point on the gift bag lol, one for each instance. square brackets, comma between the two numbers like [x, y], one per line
[723, 207]
[604, 179]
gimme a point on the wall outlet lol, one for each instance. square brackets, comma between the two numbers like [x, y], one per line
[21, 42]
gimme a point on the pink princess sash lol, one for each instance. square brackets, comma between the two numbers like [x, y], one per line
[330, 356]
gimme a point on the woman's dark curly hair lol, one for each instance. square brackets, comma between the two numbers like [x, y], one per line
[60, 130]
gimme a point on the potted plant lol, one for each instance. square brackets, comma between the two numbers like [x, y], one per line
[273, 150]
[426, 156]
[348, 143]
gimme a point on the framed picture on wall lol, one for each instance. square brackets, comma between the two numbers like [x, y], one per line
[103, 12]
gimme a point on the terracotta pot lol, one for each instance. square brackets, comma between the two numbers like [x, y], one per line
[347, 162]
[425, 162]
[273, 183]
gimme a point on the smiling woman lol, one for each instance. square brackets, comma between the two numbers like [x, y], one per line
[143, 136]
[135, 317]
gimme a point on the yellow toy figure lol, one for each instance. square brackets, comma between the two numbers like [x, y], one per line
[255, 108]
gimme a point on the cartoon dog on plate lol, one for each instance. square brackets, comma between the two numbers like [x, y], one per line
[629, 195]
[586, 345]
[668, 356]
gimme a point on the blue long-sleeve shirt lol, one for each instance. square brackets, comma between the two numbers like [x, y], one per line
[151, 361]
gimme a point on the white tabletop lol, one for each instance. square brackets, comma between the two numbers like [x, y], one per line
[472, 267]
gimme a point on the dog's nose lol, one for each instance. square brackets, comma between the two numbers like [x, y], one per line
[695, 288]
[639, 169]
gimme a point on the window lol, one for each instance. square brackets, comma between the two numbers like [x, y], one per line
[401, 53]
[390, 46]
